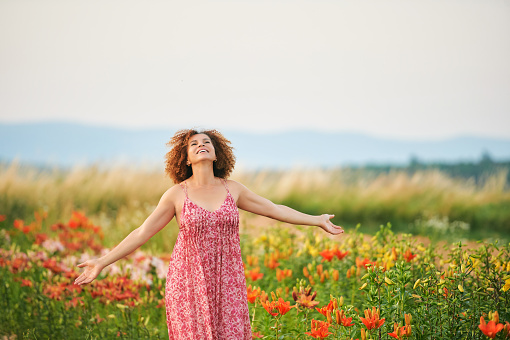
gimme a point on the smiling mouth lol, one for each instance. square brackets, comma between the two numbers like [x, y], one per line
[202, 151]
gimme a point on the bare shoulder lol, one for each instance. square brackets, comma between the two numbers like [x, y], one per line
[234, 185]
[173, 194]
[235, 188]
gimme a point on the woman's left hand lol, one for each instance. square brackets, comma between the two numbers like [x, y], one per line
[328, 226]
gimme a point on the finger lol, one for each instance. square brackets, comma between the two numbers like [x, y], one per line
[78, 279]
[337, 227]
[82, 281]
[81, 264]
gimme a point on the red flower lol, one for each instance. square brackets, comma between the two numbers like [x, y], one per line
[269, 306]
[340, 254]
[281, 274]
[18, 224]
[271, 260]
[256, 335]
[53, 265]
[364, 263]
[408, 255]
[491, 328]
[341, 319]
[55, 291]
[40, 238]
[283, 306]
[320, 329]
[327, 255]
[400, 332]
[252, 294]
[2, 218]
[27, 283]
[324, 310]
[74, 302]
[371, 319]
[254, 274]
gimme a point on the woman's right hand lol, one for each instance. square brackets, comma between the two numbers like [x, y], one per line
[92, 269]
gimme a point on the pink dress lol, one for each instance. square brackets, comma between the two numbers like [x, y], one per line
[205, 293]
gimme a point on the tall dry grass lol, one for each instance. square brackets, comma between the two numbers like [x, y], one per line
[119, 199]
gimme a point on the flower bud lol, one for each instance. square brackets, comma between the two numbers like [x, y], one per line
[495, 317]
[388, 281]
[363, 334]
[305, 272]
[337, 316]
[416, 283]
[408, 318]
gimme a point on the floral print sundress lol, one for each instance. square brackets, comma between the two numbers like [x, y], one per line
[205, 292]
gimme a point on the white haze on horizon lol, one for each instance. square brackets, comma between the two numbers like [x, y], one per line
[398, 68]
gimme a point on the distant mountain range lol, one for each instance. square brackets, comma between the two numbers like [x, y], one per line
[67, 144]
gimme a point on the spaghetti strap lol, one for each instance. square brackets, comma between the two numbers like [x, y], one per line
[226, 186]
[185, 188]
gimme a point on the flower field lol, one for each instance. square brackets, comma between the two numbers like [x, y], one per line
[302, 284]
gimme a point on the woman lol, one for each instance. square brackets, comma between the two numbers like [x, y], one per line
[205, 291]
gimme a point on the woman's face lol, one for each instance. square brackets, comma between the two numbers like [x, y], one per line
[200, 148]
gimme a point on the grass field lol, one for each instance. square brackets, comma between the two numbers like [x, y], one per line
[425, 256]
[119, 199]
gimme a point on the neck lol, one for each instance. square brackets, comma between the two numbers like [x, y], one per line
[203, 175]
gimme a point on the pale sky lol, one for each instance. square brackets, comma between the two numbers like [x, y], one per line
[406, 69]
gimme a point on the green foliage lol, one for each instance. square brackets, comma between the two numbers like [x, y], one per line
[444, 290]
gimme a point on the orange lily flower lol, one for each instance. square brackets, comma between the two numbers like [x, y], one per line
[340, 254]
[271, 260]
[327, 255]
[269, 306]
[320, 329]
[371, 319]
[283, 306]
[364, 263]
[27, 283]
[281, 274]
[257, 335]
[254, 274]
[324, 310]
[305, 298]
[307, 301]
[341, 319]
[408, 255]
[400, 332]
[490, 329]
[252, 294]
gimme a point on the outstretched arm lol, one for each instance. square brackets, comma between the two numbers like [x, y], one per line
[259, 205]
[157, 220]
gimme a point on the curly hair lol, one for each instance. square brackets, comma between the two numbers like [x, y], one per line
[175, 164]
